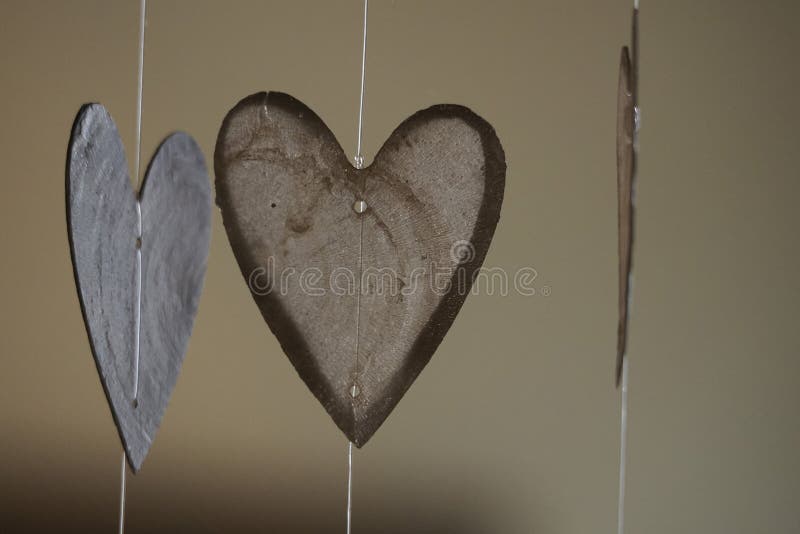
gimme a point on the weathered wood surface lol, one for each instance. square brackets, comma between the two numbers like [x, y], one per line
[368, 316]
[102, 225]
[626, 168]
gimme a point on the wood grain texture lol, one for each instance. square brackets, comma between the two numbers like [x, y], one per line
[382, 287]
[625, 173]
[102, 226]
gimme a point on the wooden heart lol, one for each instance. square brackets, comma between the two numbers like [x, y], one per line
[626, 172]
[359, 273]
[103, 225]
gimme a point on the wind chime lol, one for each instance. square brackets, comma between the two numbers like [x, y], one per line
[424, 211]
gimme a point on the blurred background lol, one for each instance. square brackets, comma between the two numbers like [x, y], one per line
[514, 425]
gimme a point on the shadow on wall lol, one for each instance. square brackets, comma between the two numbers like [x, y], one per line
[216, 509]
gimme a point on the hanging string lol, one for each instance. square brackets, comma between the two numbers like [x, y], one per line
[623, 427]
[359, 159]
[359, 163]
[139, 85]
[349, 483]
[138, 303]
[137, 317]
[122, 495]
[136, 170]
[623, 449]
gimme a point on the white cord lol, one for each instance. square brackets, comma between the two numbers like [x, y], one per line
[122, 495]
[623, 452]
[140, 80]
[359, 159]
[349, 483]
[137, 317]
[359, 163]
[138, 304]
[136, 169]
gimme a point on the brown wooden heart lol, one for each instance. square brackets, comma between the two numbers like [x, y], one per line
[626, 173]
[358, 295]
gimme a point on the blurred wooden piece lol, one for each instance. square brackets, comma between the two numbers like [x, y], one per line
[102, 225]
[626, 169]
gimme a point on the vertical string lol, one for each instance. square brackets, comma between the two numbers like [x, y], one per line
[359, 163]
[136, 170]
[623, 448]
[139, 84]
[359, 160]
[138, 289]
[349, 483]
[137, 311]
[623, 427]
[122, 495]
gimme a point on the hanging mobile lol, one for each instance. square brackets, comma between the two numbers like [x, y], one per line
[139, 263]
[627, 146]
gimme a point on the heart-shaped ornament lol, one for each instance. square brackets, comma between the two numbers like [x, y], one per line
[359, 273]
[170, 225]
[626, 172]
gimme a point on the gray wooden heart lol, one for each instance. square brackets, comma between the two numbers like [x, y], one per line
[104, 219]
[358, 272]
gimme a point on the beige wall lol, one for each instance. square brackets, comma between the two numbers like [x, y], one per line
[513, 427]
